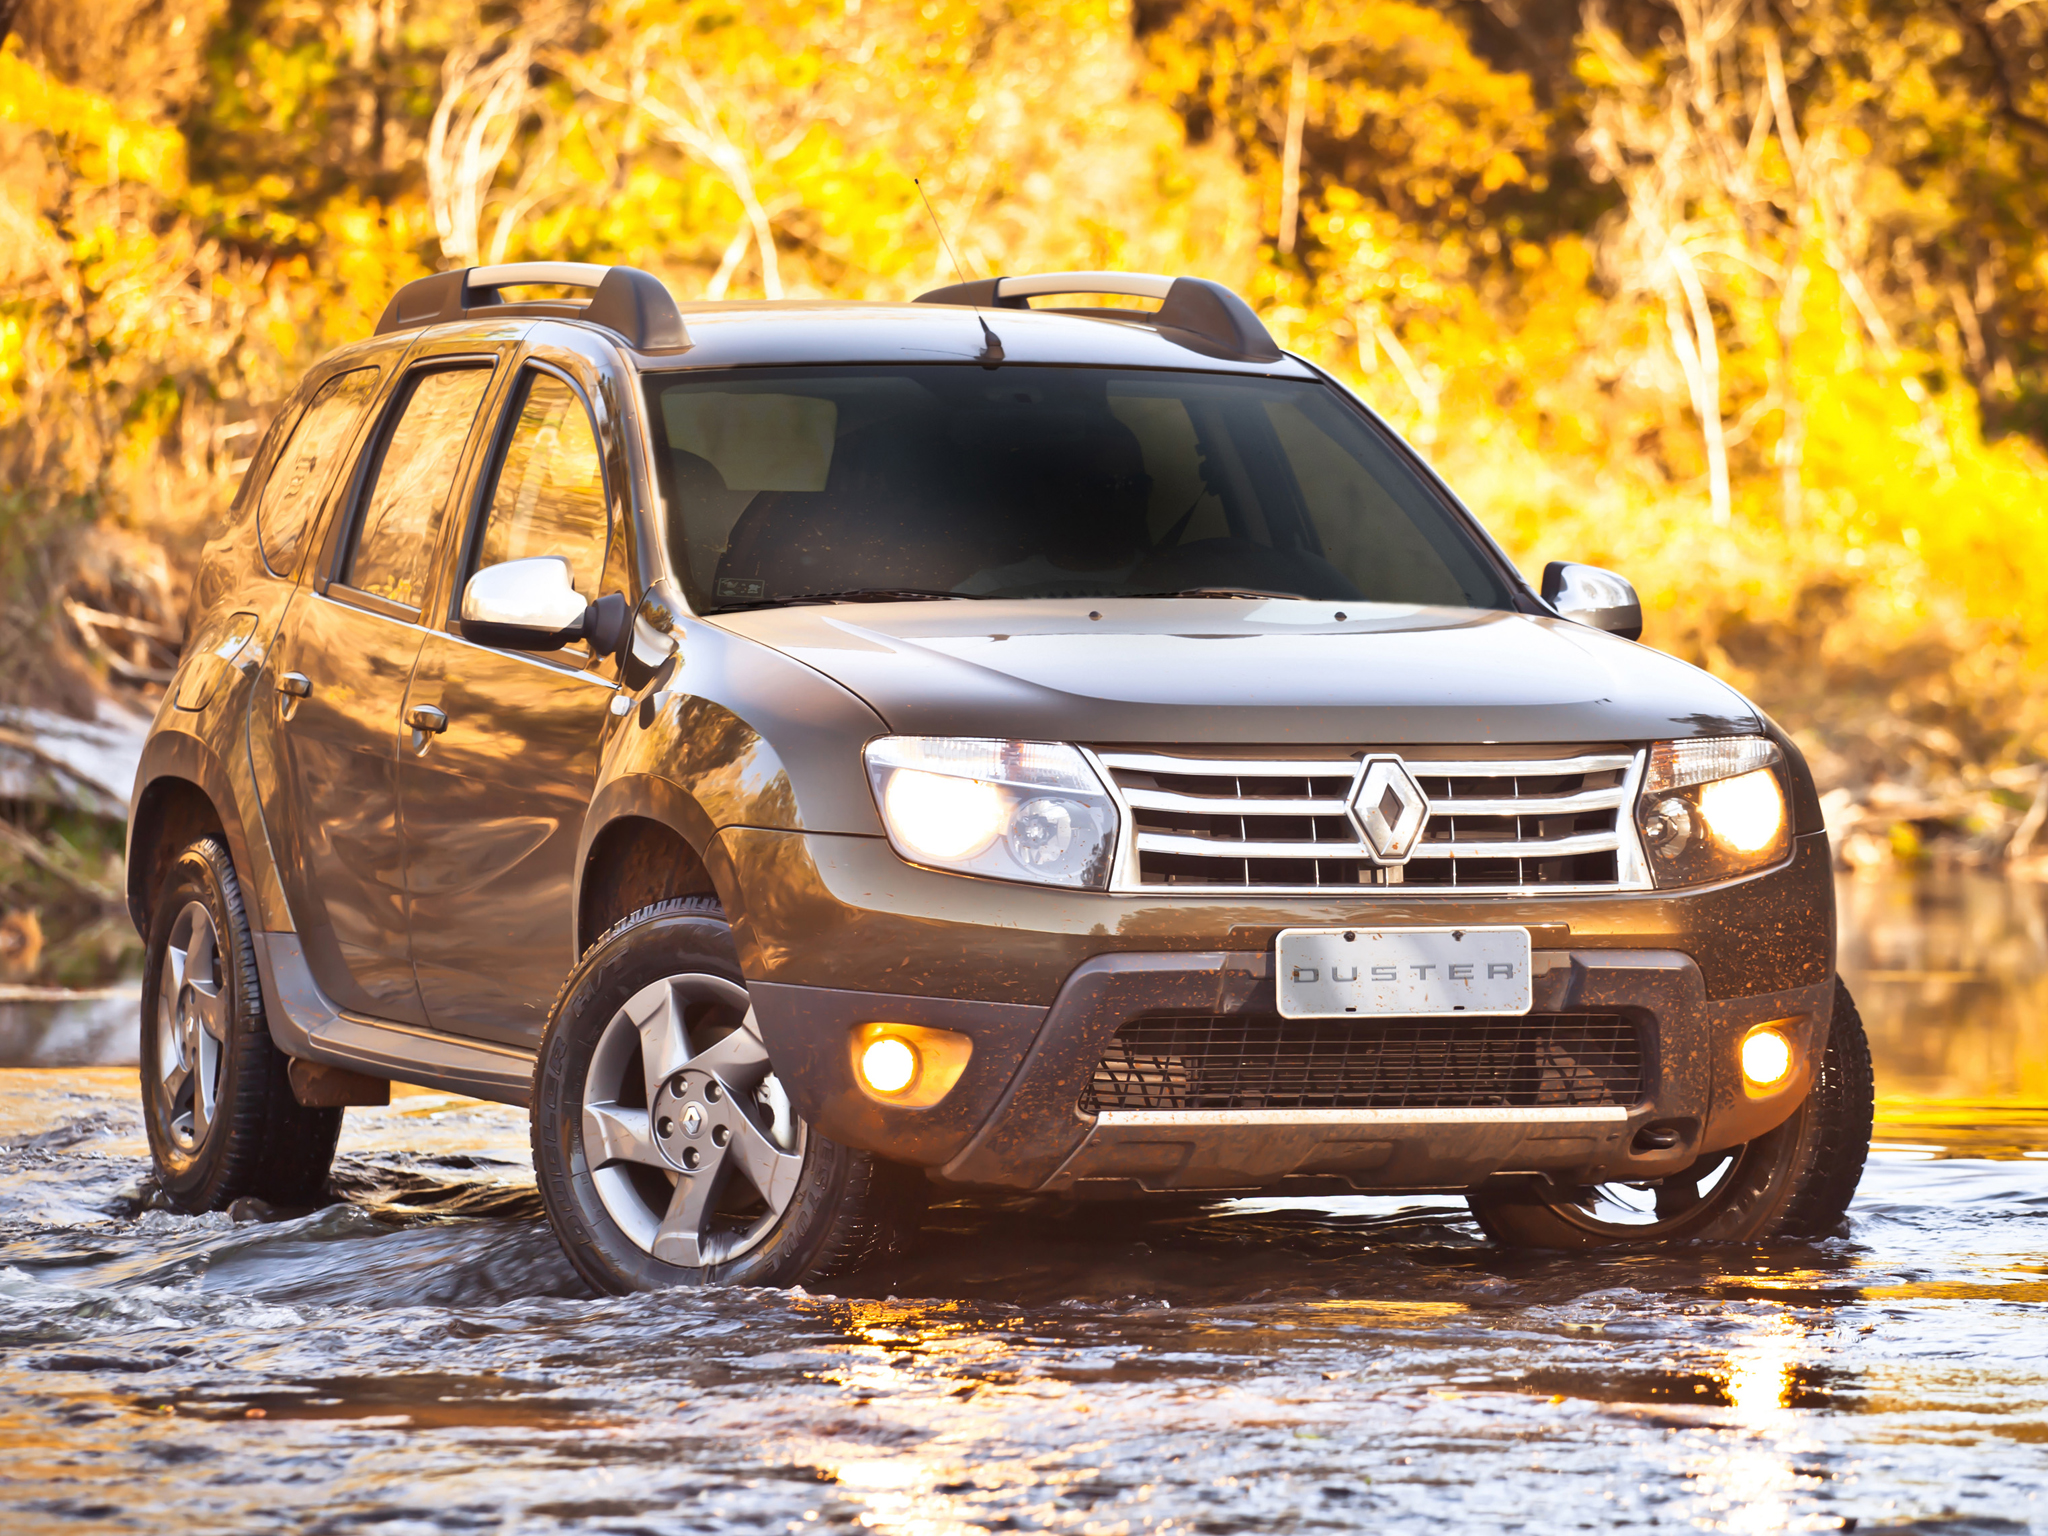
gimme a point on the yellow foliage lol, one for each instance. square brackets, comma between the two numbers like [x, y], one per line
[1651, 315]
[107, 144]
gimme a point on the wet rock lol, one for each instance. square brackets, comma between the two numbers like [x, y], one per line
[137, 1196]
[70, 1134]
[98, 1362]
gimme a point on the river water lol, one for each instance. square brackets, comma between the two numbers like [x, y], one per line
[418, 1357]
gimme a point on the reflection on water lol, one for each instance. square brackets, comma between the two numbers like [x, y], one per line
[1760, 1369]
[419, 1356]
[1950, 969]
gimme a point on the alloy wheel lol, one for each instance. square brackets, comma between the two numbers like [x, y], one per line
[192, 1021]
[691, 1142]
[1654, 1209]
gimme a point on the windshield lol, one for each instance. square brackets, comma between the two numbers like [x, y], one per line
[787, 484]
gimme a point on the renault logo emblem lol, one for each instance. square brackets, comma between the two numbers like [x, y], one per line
[1390, 809]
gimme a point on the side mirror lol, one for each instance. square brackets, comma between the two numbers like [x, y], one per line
[1587, 595]
[531, 605]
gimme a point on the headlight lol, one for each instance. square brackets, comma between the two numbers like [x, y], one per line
[1713, 808]
[1012, 810]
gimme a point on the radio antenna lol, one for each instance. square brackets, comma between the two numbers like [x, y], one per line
[928, 208]
[991, 355]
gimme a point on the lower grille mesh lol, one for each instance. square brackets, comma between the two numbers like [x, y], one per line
[1254, 1062]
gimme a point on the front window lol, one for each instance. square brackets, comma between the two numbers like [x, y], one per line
[787, 484]
[410, 485]
[548, 498]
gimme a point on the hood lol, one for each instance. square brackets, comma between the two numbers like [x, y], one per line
[1132, 671]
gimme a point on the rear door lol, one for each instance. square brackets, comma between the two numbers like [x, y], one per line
[494, 798]
[340, 668]
[292, 487]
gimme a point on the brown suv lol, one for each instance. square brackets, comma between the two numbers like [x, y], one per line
[814, 754]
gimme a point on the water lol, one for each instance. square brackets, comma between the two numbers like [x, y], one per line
[1951, 973]
[420, 1358]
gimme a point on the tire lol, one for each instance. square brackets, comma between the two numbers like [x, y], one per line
[216, 1103]
[1793, 1182]
[728, 1187]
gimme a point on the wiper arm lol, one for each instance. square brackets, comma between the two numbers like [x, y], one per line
[855, 595]
[1224, 592]
[880, 595]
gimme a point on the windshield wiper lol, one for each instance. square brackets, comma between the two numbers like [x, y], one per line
[855, 595]
[1225, 592]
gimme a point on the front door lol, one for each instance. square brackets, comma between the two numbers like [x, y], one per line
[340, 670]
[494, 799]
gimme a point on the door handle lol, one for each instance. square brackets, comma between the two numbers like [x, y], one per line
[424, 717]
[295, 685]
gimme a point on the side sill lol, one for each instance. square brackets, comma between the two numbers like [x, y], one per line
[305, 1023]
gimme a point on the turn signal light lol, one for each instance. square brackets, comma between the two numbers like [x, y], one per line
[1766, 1058]
[910, 1065]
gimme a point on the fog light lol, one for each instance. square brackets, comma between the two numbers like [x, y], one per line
[888, 1065]
[1766, 1058]
[907, 1066]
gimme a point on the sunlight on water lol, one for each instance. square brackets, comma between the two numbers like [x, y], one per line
[420, 1357]
[1760, 1372]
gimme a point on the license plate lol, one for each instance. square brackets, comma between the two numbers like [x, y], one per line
[1329, 973]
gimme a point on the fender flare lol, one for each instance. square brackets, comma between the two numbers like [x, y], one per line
[183, 756]
[651, 797]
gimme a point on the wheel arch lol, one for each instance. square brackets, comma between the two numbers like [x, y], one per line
[646, 839]
[181, 792]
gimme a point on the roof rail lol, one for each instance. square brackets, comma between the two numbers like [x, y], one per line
[632, 303]
[1200, 315]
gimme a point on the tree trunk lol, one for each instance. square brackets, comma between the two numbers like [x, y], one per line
[1290, 153]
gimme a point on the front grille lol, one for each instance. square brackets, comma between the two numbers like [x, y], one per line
[1255, 1062]
[1289, 824]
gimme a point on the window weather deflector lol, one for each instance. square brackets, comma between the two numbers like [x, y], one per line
[1202, 316]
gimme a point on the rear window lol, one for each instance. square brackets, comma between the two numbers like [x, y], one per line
[1045, 482]
[293, 490]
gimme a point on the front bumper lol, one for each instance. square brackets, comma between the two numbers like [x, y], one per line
[1036, 1136]
[1041, 982]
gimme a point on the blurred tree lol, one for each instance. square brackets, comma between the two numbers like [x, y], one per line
[1382, 97]
[1729, 293]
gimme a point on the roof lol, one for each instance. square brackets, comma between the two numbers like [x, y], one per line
[1196, 323]
[796, 332]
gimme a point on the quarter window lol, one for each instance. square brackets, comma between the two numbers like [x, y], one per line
[414, 477]
[292, 491]
[549, 496]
